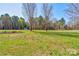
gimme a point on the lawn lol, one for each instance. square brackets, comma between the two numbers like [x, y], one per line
[39, 43]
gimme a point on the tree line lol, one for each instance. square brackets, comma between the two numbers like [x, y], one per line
[45, 21]
[7, 22]
[18, 23]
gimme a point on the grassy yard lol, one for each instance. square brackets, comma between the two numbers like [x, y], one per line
[39, 43]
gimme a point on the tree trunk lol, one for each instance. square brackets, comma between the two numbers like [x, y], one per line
[46, 27]
[30, 21]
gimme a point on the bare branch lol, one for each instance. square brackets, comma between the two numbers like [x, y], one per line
[30, 11]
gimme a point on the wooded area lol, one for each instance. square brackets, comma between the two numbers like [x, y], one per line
[45, 21]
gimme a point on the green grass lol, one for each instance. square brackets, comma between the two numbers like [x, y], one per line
[39, 43]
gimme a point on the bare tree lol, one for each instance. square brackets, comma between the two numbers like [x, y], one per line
[29, 9]
[73, 13]
[73, 9]
[47, 12]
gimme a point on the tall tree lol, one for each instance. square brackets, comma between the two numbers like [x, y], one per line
[47, 12]
[15, 22]
[21, 23]
[40, 20]
[29, 10]
[61, 23]
[73, 13]
[6, 20]
[73, 9]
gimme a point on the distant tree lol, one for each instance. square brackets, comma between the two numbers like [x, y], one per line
[1, 25]
[74, 22]
[15, 22]
[6, 20]
[35, 23]
[27, 25]
[21, 23]
[40, 20]
[29, 10]
[62, 20]
[61, 23]
[47, 12]
[54, 23]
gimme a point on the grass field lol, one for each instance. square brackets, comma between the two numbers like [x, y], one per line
[39, 43]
